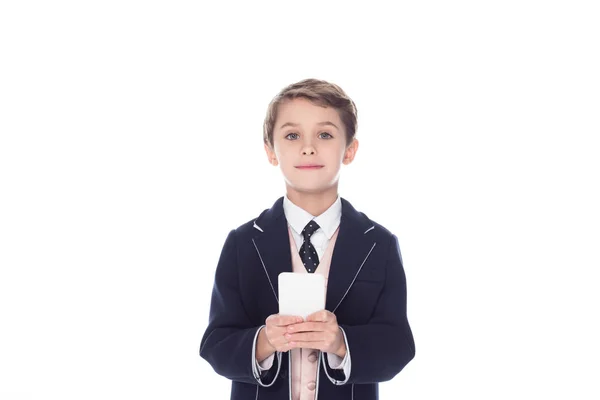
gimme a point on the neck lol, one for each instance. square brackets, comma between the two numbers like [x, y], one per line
[314, 203]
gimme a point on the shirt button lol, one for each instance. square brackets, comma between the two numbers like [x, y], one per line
[311, 385]
[312, 357]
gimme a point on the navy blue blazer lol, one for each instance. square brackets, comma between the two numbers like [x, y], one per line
[366, 291]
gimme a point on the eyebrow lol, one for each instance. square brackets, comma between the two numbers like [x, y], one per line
[324, 123]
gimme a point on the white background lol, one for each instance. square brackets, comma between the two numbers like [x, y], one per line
[131, 144]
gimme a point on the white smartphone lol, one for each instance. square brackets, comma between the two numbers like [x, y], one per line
[301, 294]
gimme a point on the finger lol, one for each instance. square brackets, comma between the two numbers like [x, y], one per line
[324, 341]
[305, 337]
[283, 320]
[277, 340]
[320, 316]
[284, 344]
[307, 327]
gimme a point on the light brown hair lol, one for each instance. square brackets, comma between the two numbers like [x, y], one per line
[319, 92]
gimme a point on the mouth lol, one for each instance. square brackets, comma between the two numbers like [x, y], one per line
[309, 166]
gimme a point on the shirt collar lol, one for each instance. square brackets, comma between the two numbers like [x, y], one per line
[298, 217]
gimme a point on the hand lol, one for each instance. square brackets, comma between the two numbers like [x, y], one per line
[320, 331]
[275, 329]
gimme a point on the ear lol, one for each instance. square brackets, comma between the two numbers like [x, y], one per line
[271, 155]
[350, 152]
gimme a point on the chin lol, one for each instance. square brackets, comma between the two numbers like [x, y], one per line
[312, 189]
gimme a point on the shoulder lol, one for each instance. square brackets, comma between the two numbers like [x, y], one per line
[362, 220]
[379, 234]
[261, 221]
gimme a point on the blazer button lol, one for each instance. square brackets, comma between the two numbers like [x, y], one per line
[311, 385]
[312, 357]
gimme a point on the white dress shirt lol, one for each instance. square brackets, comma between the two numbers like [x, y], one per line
[328, 221]
[298, 218]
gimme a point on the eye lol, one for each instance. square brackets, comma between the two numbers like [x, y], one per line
[295, 136]
[328, 135]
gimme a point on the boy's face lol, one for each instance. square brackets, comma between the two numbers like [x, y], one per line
[309, 144]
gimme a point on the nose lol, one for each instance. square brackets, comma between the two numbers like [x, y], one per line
[308, 148]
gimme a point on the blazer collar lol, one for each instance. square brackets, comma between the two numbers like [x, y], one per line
[355, 220]
[352, 247]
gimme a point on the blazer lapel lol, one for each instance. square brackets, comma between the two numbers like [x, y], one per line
[273, 245]
[352, 248]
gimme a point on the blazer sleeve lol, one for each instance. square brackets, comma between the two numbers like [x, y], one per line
[227, 343]
[384, 346]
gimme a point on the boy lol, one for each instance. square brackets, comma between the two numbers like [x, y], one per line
[363, 336]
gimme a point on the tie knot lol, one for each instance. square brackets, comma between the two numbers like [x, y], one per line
[309, 229]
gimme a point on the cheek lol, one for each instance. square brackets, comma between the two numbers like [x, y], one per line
[281, 155]
[338, 154]
[284, 150]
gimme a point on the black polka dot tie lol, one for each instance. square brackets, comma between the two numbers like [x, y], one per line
[308, 254]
